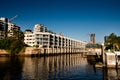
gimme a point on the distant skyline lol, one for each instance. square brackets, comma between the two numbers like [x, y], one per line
[74, 18]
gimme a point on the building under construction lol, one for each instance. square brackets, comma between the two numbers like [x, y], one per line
[7, 27]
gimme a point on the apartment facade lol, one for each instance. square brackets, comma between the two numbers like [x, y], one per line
[3, 27]
[29, 38]
[7, 27]
[50, 42]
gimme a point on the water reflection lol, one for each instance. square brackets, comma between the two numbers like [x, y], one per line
[51, 67]
[10, 68]
[111, 74]
[62, 67]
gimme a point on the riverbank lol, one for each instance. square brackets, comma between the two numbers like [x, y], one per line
[33, 51]
[4, 52]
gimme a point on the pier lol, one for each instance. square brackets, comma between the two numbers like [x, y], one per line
[51, 51]
[112, 59]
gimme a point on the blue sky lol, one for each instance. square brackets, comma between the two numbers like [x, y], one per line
[75, 18]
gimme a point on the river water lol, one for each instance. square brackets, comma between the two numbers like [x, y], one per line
[61, 67]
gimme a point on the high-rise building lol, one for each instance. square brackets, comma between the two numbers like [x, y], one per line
[7, 27]
[3, 27]
[92, 38]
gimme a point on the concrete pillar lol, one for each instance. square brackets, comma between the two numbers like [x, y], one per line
[53, 50]
[103, 54]
[110, 59]
[60, 50]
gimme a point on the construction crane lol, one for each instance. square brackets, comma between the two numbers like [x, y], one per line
[13, 18]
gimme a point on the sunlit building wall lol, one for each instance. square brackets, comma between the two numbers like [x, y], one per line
[44, 38]
[29, 38]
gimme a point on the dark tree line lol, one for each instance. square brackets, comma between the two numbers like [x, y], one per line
[113, 42]
[13, 44]
[89, 45]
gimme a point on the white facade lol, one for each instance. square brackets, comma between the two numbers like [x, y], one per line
[29, 38]
[11, 27]
[40, 28]
[49, 40]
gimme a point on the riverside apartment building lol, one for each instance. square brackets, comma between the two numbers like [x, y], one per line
[51, 42]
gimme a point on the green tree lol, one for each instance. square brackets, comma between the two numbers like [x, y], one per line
[14, 44]
[113, 42]
[89, 45]
[18, 34]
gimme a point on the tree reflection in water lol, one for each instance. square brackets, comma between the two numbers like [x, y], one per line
[11, 68]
